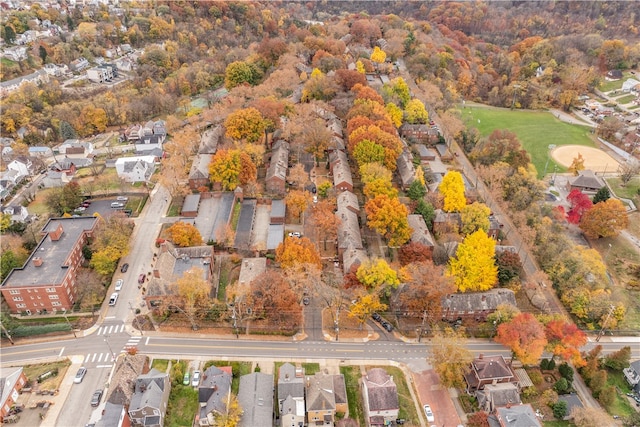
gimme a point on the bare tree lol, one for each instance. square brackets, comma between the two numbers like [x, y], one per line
[628, 170]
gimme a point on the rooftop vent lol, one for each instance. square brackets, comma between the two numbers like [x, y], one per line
[37, 261]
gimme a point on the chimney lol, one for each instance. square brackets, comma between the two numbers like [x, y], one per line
[37, 261]
[56, 234]
[481, 356]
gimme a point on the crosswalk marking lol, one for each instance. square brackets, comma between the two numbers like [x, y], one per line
[111, 329]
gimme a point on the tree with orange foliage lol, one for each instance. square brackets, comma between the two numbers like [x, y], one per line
[296, 251]
[389, 218]
[564, 340]
[604, 219]
[184, 234]
[525, 336]
[366, 92]
[297, 202]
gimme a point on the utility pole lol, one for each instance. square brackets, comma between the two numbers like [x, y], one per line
[64, 313]
[235, 320]
[113, 355]
[604, 324]
[6, 332]
[337, 322]
[424, 321]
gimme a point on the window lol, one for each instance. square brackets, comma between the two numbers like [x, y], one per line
[53, 297]
[21, 305]
[14, 292]
[17, 298]
[51, 290]
[56, 304]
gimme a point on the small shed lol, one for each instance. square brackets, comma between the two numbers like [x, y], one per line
[190, 206]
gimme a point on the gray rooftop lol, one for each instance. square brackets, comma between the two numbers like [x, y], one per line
[191, 202]
[290, 384]
[420, 232]
[255, 397]
[275, 236]
[278, 209]
[54, 254]
[470, 302]
[381, 390]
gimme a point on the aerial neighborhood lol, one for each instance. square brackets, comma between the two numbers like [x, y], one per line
[319, 214]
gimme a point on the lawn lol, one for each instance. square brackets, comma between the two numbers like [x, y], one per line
[607, 86]
[351, 380]
[625, 99]
[629, 191]
[160, 364]
[536, 130]
[51, 383]
[183, 405]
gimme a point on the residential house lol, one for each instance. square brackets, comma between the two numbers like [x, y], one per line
[255, 397]
[47, 281]
[334, 125]
[489, 370]
[125, 64]
[12, 380]
[157, 127]
[493, 396]
[326, 395]
[446, 222]
[339, 167]
[419, 133]
[136, 169]
[586, 181]
[515, 416]
[632, 375]
[495, 227]
[76, 148]
[22, 164]
[352, 259]
[349, 236]
[37, 78]
[214, 394]
[150, 145]
[475, 305]
[210, 140]
[18, 213]
[100, 74]
[420, 233]
[291, 395]
[613, 75]
[15, 53]
[276, 176]
[171, 265]
[62, 172]
[148, 405]
[121, 389]
[79, 65]
[56, 70]
[405, 169]
[10, 178]
[199, 174]
[40, 152]
[133, 132]
[381, 405]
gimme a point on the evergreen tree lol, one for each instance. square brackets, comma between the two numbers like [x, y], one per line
[602, 195]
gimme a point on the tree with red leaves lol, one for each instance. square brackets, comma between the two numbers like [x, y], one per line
[525, 336]
[580, 203]
[564, 340]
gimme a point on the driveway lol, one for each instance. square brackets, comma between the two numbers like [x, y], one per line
[206, 215]
[261, 226]
[431, 392]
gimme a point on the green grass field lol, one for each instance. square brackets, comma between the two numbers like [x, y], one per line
[607, 86]
[536, 130]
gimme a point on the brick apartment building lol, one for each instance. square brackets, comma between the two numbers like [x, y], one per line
[47, 281]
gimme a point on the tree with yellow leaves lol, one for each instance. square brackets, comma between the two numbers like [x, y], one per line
[378, 55]
[297, 202]
[360, 67]
[379, 186]
[365, 306]
[231, 168]
[246, 124]
[577, 165]
[452, 190]
[475, 217]
[184, 234]
[376, 274]
[474, 268]
[296, 251]
[450, 357]
[374, 170]
[389, 218]
[395, 113]
[416, 113]
[193, 292]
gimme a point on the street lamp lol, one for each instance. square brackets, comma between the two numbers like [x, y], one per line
[64, 313]
[113, 355]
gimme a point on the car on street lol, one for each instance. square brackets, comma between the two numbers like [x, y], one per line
[429, 414]
[195, 381]
[113, 299]
[305, 300]
[80, 375]
[119, 284]
[186, 379]
[86, 204]
[80, 209]
[141, 278]
[97, 397]
[387, 326]
[376, 317]
[124, 268]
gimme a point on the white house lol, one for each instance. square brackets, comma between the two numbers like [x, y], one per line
[22, 165]
[136, 169]
[18, 213]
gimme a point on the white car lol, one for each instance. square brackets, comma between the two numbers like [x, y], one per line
[122, 198]
[295, 234]
[119, 284]
[429, 414]
[195, 380]
[80, 375]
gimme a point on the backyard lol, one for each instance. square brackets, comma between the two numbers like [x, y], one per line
[536, 130]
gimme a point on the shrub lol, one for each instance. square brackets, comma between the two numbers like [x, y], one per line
[561, 386]
[607, 396]
[536, 377]
[544, 364]
[566, 371]
[560, 409]
[529, 392]
[552, 364]
[549, 397]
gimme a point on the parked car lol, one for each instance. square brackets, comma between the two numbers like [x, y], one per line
[429, 414]
[113, 299]
[387, 326]
[295, 234]
[122, 198]
[305, 300]
[117, 205]
[186, 379]
[376, 317]
[124, 268]
[119, 284]
[195, 381]
[141, 278]
[97, 397]
[80, 375]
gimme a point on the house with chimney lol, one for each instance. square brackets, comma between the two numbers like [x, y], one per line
[421, 233]
[514, 416]
[12, 380]
[199, 173]
[405, 169]
[276, 177]
[380, 397]
[214, 395]
[47, 282]
[485, 370]
[149, 401]
[339, 168]
[290, 394]
[326, 395]
[475, 306]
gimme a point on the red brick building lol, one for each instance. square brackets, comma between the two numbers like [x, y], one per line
[47, 281]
